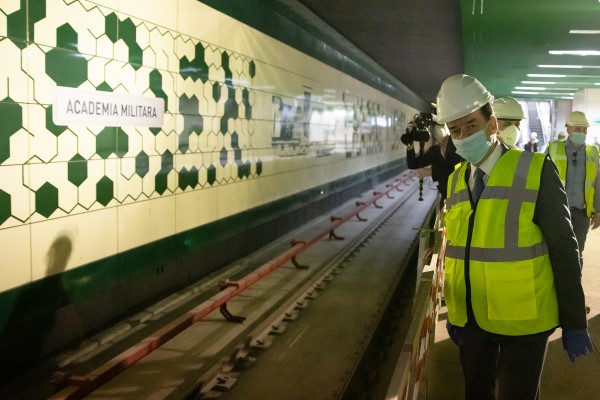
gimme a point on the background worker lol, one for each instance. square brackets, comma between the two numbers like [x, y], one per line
[440, 156]
[577, 164]
[509, 113]
[532, 145]
[512, 272]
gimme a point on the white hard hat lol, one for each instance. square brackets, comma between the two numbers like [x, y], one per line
[460, 95]
[533, 137]
[562, 136]
[508, 108]
[577, 118]
[440, 131]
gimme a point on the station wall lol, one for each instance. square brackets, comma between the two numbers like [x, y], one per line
[107, 216]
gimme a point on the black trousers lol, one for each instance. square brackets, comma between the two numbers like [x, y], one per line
[581, 226]
[516, 362]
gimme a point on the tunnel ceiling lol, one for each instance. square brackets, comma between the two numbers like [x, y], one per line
[502, 43]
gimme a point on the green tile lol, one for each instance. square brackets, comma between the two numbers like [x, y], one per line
[77, 170]
[5, 209]
[104, 190]
[46, 199]
[10, 123]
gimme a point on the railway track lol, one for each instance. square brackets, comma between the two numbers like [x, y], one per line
[205, 357]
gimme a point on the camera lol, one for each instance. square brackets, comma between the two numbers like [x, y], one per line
[418, 129]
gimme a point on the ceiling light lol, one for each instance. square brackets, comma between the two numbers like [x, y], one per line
[543, 93]
[520, 92]
[559, 66]
[576, 52]
[538, 83]
[584, 32]
[546, 76]
[555, 83]
[540, 88]
[529, 88]
[568, 66]
[561, 76]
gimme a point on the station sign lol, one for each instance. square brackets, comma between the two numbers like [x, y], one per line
[75, 106]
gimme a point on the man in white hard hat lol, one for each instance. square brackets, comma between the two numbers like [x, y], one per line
[577, 164]
[512, 272]
[532, 145]
[509, 113]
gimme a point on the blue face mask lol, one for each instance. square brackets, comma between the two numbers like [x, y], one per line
[473, 148]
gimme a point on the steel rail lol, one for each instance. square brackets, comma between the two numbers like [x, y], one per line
[77, 387]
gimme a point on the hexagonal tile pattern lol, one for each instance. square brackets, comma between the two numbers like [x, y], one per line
[221, 123]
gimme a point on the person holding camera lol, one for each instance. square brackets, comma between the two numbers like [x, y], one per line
[512, 272]
[437, 161]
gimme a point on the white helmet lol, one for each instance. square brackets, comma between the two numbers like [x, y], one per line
[562, 136]
[533, 137]
[460, 95]
[508, 108]
[577, 118]
[440, 131]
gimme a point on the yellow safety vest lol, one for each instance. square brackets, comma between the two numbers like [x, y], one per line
[502, 250]
[558, 154]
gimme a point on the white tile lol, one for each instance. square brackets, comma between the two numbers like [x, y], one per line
[196, 208]
[15, 269]
[14, 182]
[199, 21]
[14, 81]
[90, 236]
[233, 198]
[145, 221]
[86, 19]
[159, 12]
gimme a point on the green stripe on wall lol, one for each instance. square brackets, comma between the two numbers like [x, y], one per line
[38, 299]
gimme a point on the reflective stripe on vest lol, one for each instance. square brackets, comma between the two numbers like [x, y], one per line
[558, 154]
[512, 283]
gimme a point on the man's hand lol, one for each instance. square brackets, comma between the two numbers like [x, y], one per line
[452, 332]
[595, 222]
[423, 172]
[577, 343]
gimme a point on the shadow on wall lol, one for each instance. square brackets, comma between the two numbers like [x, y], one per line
[33, 321]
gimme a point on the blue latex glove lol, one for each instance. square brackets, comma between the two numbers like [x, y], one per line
[452, 331]
[577, 343]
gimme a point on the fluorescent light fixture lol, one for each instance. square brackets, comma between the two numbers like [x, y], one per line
[561, 76]
[521, 92]
[546, 76]
[555, 83]
[540, 88]
[585, 31]
[559, 66]
[576, 52]
[538, 82]
[543, 93]
[568, 66]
